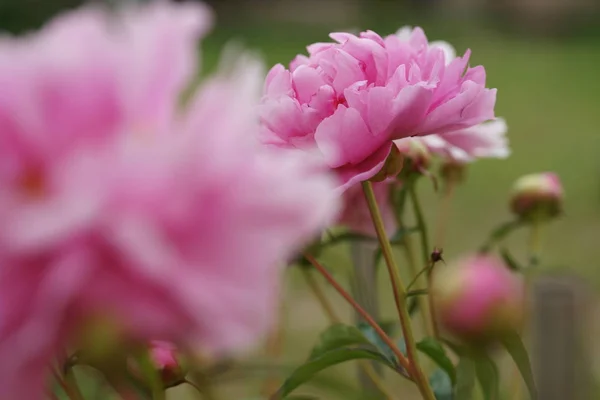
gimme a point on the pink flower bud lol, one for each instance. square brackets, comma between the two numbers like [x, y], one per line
[478, 299]
[537, 196]
[165, 359]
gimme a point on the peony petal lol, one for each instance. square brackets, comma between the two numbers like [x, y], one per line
[306, 82]
[409, 108]
[279, 82]
[473, 105]
[351, 175]
[345, 138]
[161, 42]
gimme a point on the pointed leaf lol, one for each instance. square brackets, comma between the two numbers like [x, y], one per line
[465, 379]
[434, 350]
[339, 336]
[306, 372]
[441, 385]
[499, 233]
[487, 374]
[413, 306]
[348, 237]
[399, 235]
[514, 346]
[509, 260]
[373, 338]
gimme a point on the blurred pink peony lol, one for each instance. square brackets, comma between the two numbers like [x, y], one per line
[115, 205]
[478, 298]
[350, 99]
[486, 140]
[356, 215]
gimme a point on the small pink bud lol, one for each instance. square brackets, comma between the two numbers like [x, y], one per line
[478, 299]
[537, 196]
[165, 358]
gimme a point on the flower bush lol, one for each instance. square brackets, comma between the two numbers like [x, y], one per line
[146, 237]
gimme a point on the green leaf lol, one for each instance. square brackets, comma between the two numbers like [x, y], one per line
[306, 372]
[499, 233]
[509, 260]
[441, 385]
[339, 336]
[514, 346]
[465, 379]
[348, 237]
[434, 350]
[399, 235]
[487, 374]
[371, 335]
[417, 292]
[413, 306]
[150, 375]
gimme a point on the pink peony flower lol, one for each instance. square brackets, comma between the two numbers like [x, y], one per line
[356, 215]
[115, 205]
[486, 140]
[478, 298]
[350, 99]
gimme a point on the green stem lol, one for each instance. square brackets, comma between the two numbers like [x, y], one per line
[535, 242]
[421, 225]
[398, 199]
[203, 386]
[334, 319]
[444, 214]
[425, 249]
[71, 382]
[399, 294]
[416, 278]
[499, 233]
[326, 306]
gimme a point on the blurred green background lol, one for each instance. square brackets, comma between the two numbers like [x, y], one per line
[544, 58]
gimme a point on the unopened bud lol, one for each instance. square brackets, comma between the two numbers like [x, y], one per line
[452, 171]
[478, 299]
[537, 196]
[165, 358]
[436, 255]
[392, 167]
[415, 151]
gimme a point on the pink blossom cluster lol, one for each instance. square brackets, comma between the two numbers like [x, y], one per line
[351, 99]
[116, 204]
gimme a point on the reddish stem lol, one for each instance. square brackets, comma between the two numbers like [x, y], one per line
[386, 339]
